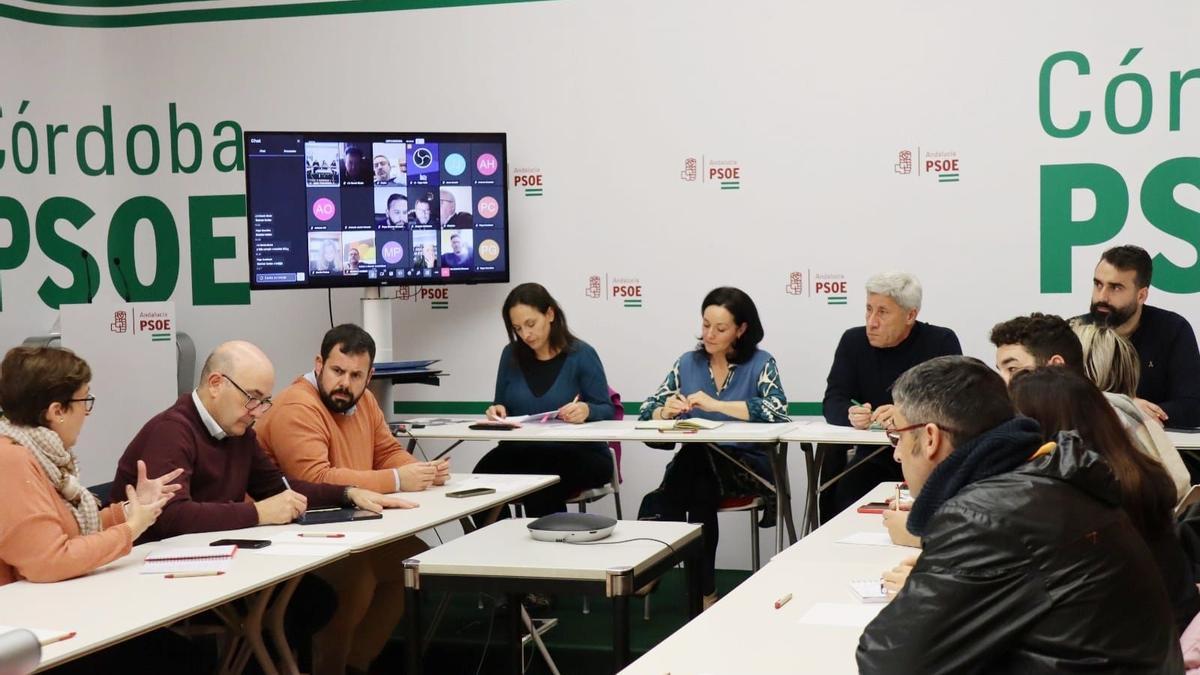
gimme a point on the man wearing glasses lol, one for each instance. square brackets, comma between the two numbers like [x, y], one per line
[209, 435]
[1027, 566]
[327, 427]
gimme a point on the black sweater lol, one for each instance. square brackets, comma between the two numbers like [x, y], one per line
[865, 373]
[1166, 347]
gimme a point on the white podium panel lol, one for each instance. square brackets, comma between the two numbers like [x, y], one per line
[131, 350]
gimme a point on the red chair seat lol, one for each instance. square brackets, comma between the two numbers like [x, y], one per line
[736, 502]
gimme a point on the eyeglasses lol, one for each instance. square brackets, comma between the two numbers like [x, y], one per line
[893, 435]
[88, 402]
[252, 402]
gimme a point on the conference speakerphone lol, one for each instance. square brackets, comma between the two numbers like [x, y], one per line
[572, 527]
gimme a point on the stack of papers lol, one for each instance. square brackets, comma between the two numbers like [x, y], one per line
[189, 559]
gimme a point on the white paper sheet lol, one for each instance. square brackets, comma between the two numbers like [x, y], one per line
[868, 539]
[297, 550]
[836, 614]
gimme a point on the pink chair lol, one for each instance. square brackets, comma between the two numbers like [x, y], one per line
[613, 487]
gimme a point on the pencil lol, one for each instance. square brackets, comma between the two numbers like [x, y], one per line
[188, 575]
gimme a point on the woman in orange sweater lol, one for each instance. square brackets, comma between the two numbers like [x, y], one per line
[51, 527]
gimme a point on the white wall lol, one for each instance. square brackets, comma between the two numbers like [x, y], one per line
[812, 102]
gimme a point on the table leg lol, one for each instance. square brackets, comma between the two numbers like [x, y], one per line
[814, 459]
[783, 496]
[412, 615]
[516, 653]
[620, 632]
[618, 585]
[253, 625]
[695, 593]
[275, 616]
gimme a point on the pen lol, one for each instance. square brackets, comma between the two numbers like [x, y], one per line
[547, 415]
[783, 601]
[855, 403]
[188, 575]
[896, 504]
[285, 483]
[322, 535]
[57, 638]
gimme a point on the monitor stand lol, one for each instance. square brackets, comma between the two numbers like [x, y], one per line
[377, 321]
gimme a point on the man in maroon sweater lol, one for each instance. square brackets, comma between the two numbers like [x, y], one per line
[209, 434]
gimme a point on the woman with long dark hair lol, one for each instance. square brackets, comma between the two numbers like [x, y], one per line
[1060, 400]
[727, 378]
[545, 368]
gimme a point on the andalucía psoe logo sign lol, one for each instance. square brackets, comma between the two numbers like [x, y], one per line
[723, 173]
[943, 163]
[438, 297]
[529, 179]
[627, 290]
[832, 287]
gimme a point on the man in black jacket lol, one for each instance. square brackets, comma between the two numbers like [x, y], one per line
[1029, 565]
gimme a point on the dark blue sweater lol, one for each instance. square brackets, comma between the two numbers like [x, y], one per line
[581, 375]
[865, 373]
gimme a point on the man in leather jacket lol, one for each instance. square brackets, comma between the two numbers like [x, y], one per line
[1029, 565]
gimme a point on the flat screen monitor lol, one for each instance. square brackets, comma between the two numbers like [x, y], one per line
[332, 209]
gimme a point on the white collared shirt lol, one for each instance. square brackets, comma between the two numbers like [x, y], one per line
[214, 429]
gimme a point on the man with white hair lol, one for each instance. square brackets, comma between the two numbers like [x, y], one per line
[868, 360]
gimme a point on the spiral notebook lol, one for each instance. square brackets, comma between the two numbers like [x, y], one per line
[189, 559]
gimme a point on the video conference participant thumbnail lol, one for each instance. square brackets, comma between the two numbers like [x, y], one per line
[391, 209]
[457, 245]
[424, 251]
[393, 250]
[324, 253]
[450, 214]
[356, 168]
[424, 211]
[359, 251]
[321, 164]
[388, 164]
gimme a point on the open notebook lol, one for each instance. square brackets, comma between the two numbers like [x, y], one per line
[189, 559]
[688, 423]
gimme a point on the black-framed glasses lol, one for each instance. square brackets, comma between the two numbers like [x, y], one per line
[893, 435]
[88, 402]
[252, 402]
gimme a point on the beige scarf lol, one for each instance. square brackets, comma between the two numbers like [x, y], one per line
[61, 468]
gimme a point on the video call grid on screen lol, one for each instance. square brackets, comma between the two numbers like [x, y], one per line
[329, 209]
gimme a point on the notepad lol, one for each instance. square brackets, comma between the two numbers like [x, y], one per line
[686, 424]
[44, 636]
[189, 559]
[868, 590]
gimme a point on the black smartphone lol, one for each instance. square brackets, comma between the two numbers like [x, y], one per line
[492, 426]
[473, 492]
[243, 543]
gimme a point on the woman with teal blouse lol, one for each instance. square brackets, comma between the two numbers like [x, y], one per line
[726, 378]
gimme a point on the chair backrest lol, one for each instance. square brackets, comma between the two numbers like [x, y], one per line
[618, 414]
[1192, 497]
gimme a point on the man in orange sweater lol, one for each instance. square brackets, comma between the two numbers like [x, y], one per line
[326, 427]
